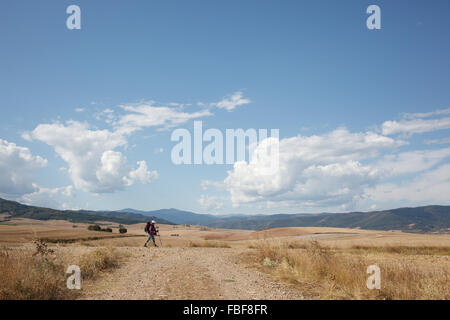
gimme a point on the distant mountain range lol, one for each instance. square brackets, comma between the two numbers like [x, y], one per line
[177, 216]
[420, 219]
[18, 210]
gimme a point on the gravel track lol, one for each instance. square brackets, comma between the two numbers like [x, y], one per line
[187, 273]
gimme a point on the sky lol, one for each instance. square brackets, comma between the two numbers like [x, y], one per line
[87, 115]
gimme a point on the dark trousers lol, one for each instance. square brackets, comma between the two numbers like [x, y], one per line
[151, 237]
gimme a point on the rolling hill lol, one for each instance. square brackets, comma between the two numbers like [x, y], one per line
[18, 210]
[177, 216]
[420, 219]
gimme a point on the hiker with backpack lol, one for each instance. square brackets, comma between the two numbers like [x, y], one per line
[150, 228]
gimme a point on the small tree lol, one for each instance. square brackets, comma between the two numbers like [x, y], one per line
[123, 230]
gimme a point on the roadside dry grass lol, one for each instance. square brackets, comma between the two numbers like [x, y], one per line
[404, 250]
[40, 274]
[333, 274]
[208, 244]
[25, 275]
[304, 244]
[92, 263]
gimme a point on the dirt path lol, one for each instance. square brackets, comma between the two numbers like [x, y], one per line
[187, 273]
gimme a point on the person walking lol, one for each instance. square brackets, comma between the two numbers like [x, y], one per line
[150, 228]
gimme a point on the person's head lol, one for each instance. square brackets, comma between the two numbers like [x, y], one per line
[153, 222]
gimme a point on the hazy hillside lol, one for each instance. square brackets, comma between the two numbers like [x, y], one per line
[18, 210]
[421, 219]
[177, 216]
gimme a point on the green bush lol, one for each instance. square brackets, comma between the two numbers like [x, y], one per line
[123, 230]
[98, 228]
[95, 228]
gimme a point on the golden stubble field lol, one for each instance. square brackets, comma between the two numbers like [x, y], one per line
[309, 263]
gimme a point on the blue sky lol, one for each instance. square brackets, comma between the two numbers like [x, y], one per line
[87, 114]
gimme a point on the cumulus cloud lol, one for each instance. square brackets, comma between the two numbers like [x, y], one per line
[17, 169]
[94, 163]
[142, 173]
[321, 170]
[341, 169]
[232, 101]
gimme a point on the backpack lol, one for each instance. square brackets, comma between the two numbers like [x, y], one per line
[147, 227]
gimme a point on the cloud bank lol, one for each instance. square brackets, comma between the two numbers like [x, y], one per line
[347, 170]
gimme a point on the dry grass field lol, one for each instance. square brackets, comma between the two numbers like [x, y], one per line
[19, 231]
[282, 263]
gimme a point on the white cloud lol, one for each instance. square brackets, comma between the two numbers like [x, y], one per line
[410, 127]
[67, 191]
[47, 197]
[412, 161]
[147, 115]
[344, 170]
[94, 164]
[211, 202]
[17, 169]
[232, 101]
[107, 115]
[438, 141]
[26, 136]
[413, 123]
[142, 173]
[427, 114]
[322, 170]
[431, 187]
[112, 172]
[206, 184]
